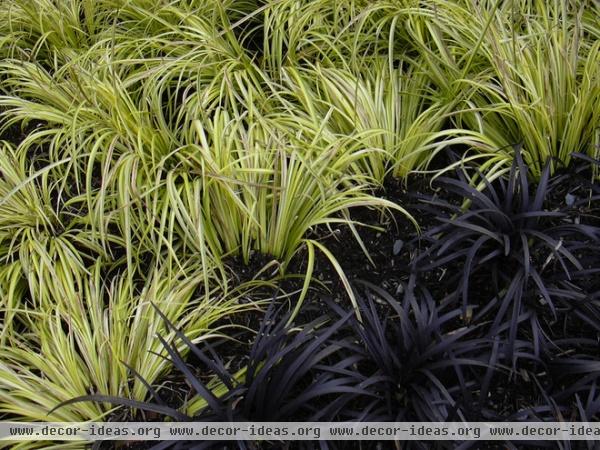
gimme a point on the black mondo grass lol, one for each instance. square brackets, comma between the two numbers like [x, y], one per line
[291, 374]
[511, 260]
[418, 354]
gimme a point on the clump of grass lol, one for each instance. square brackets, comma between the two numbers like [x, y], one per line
[99, 336]
[388, 114]
[529, 73]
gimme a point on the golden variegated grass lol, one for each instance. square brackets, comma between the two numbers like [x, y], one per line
[88, 343]
[524, 73]
[73, 321]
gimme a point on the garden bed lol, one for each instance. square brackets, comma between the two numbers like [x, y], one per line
[299, 211]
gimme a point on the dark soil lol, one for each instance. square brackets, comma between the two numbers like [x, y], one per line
[16, 133]
[389, 238]
[575, 190]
